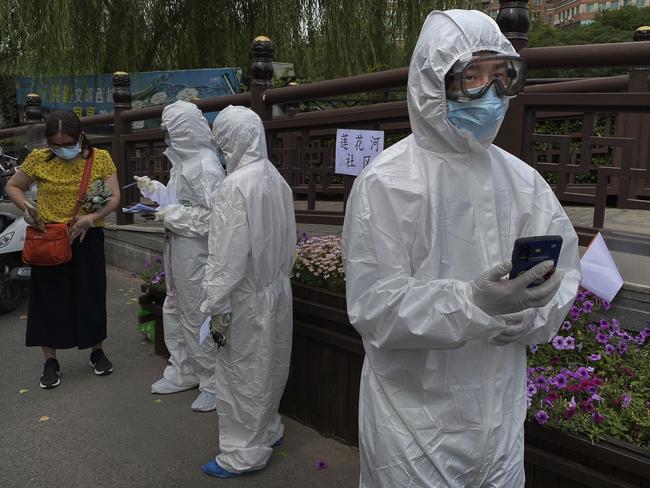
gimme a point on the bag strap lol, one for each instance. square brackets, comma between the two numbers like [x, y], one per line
[83, 187]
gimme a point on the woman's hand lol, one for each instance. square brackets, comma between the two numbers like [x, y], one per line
[79, 226]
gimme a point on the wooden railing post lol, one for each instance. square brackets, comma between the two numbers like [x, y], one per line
[33, 109]
[121, 102]
[261, 76]
[514, 21]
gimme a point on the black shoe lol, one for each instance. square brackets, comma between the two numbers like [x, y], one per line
[100, 362]
[50, 377]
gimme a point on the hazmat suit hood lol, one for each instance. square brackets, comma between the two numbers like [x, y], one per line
[188, 130]
[239, 133]
[442, 42]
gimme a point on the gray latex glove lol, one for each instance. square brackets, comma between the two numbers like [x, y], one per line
[145, 185]
[219, 323]
[517, 324]
[31, 216]
[496, 296]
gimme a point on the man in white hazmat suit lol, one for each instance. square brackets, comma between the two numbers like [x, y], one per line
[185, 207]
[248, 293]
[428, 235]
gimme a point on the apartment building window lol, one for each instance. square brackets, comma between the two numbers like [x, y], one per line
[602, 6]
[640, 3]
[538, 2]
[613, 5]
[590, 7]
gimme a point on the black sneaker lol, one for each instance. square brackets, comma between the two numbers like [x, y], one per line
[100, 362]
[50, 377]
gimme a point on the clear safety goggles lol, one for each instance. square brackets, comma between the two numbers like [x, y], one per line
[469, 80]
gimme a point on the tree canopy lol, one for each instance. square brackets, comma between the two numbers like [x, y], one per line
[323, 38]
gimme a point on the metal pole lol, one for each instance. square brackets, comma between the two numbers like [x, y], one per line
[261, 76]
[514, 21]
[121, 102]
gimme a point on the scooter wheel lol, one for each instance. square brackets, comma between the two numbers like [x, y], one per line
[10, 291]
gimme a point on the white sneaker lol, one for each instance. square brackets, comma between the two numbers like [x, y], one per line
[205, 402]
[165, 387]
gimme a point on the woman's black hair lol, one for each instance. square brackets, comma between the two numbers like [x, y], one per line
[66, 121]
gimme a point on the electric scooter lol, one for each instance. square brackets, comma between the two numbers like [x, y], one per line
[13, 275]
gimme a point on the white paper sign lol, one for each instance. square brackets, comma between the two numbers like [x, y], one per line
[205, 331]
[355, 149]
[599, 272]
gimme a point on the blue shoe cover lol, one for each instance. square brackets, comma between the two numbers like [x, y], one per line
[279, 442]
[213, 469]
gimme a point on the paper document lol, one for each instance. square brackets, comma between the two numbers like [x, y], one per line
[599, 272]
[139, 208]
[205, 331]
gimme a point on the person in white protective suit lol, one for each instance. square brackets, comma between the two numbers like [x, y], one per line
[248, 294]
[185, 207]
[428, 236]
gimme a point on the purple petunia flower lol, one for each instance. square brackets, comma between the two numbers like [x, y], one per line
[532, 389]
[533, 348]
[599, 418]
[604, 324]
[582, 295]
[561, 381]
[569, 343]
[616, 323]
[609, 349]
[594, 357]
[569, 412]
[595, 397]
[602, 338]
[582, 373]
[575, 313]
[606, 305]
[588, 306]
[541, 383]
[158, 259]
[622, 348]
[566, 325]
[558, 343]
[626, 400]
[321, 465]
[542, 417]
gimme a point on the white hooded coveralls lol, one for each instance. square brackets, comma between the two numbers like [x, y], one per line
[196, 172]
[440, 406]
[252, 248]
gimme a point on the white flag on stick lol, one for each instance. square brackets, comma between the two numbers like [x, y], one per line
[599, 272]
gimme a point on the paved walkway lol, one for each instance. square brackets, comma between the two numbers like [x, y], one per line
[111, 432]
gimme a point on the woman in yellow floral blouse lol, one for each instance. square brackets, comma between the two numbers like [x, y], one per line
[67, 303]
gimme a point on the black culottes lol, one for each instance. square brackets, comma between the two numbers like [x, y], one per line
[67, 303]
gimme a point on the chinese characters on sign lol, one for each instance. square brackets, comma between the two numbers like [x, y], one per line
[355, 149]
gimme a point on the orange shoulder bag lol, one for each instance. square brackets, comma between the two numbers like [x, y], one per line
[51, 246]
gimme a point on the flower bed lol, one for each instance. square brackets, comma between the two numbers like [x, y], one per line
[591, 385]
[151, 302]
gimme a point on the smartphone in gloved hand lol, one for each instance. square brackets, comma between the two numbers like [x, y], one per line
[530, 251]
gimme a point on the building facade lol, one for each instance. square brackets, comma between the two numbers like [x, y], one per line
[568, 13]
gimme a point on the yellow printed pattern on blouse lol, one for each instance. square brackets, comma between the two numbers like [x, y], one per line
[58, 182]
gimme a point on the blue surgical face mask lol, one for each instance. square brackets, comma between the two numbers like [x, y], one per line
[481, 116]
[67, 152]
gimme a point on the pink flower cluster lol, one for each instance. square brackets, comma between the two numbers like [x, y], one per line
[319, 262]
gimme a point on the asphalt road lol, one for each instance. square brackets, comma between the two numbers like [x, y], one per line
[111, 432]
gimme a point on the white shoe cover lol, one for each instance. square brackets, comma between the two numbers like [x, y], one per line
[164, 387]
[205, 402]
